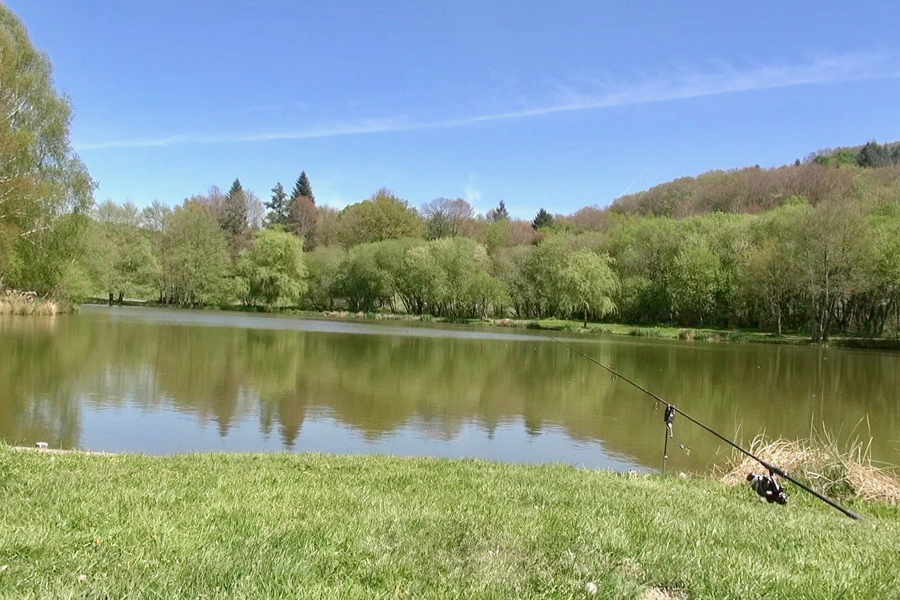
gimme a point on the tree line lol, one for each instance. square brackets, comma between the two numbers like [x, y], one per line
[824, 268]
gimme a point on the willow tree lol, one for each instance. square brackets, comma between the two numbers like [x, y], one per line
[589, 284]
[44, 187]
[273, 268]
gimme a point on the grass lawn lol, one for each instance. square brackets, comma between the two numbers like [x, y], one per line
[318, 526]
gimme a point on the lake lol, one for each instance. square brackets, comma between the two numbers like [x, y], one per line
[126, 379]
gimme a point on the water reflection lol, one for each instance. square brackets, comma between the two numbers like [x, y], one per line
[172, 381]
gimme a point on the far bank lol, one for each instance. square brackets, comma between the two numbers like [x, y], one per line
[666, 332]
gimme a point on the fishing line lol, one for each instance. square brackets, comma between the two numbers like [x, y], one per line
[671, 410]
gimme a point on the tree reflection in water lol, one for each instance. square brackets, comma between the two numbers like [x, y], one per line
[54, 371]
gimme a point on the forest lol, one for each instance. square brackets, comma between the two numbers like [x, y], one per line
[809, 247]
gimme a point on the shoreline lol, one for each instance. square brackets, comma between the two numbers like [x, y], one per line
[662, 332]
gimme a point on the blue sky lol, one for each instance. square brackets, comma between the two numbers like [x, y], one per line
[557, 105]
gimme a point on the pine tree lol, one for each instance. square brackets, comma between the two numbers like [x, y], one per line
[498, 214]
[303, 188]
[234, 215]
[543, 219]
[874, 155]
[278, 206]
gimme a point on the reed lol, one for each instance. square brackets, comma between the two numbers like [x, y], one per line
[824, 464]
[27, 303]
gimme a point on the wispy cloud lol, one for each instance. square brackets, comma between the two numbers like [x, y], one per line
[586, 95]
[472, 191]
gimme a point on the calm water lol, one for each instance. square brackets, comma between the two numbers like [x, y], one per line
[161, 381]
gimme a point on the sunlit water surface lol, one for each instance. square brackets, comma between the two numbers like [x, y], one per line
[163, 381]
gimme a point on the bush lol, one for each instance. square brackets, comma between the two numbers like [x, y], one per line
[643, 332]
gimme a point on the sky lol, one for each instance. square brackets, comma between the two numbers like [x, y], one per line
[540, 104]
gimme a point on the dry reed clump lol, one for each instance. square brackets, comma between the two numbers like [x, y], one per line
[26, 303]
[820, 463]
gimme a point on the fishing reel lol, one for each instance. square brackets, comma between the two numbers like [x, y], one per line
[768, 487]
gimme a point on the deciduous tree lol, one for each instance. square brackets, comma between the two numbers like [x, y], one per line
[42, 180]
[589, 284]
[196, 263]
[446, 218]
[383, 216]
[273, 268]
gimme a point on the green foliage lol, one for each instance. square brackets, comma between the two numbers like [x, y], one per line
[542, 220]
[498, 214]
[278, 207]
[874, 155]
[589, 284]
[42, 181]
[499, 234]
[384, 216]
[364, 283]
[468, 289]
[841, 158]
[324, 265]
[196, 264]
[696, 278]
[303, 189]
[121, 260]
[422, 283]
[273, 268]
[234, 217]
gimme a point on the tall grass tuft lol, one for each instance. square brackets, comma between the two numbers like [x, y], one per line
[644, 332]
[736, 336]
[27, 303]
[822, 463]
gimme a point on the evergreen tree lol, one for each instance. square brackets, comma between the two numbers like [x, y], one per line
[543, 219]
[874, 155]
[234, 218]
[498, 214]
[278, 206]
[303, 189]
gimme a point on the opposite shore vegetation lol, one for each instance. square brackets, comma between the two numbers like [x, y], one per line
[819, 264]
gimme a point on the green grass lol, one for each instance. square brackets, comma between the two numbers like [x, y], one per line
[315, 526]
[698, 335]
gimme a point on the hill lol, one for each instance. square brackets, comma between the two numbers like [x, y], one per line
[869, 174]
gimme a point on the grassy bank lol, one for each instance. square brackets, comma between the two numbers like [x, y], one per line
[77, 525]
[698, 335]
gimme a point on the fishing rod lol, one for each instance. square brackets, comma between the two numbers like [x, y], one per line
[671, 410]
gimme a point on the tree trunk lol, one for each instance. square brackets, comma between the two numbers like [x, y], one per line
[110, 299]
[778, 315]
